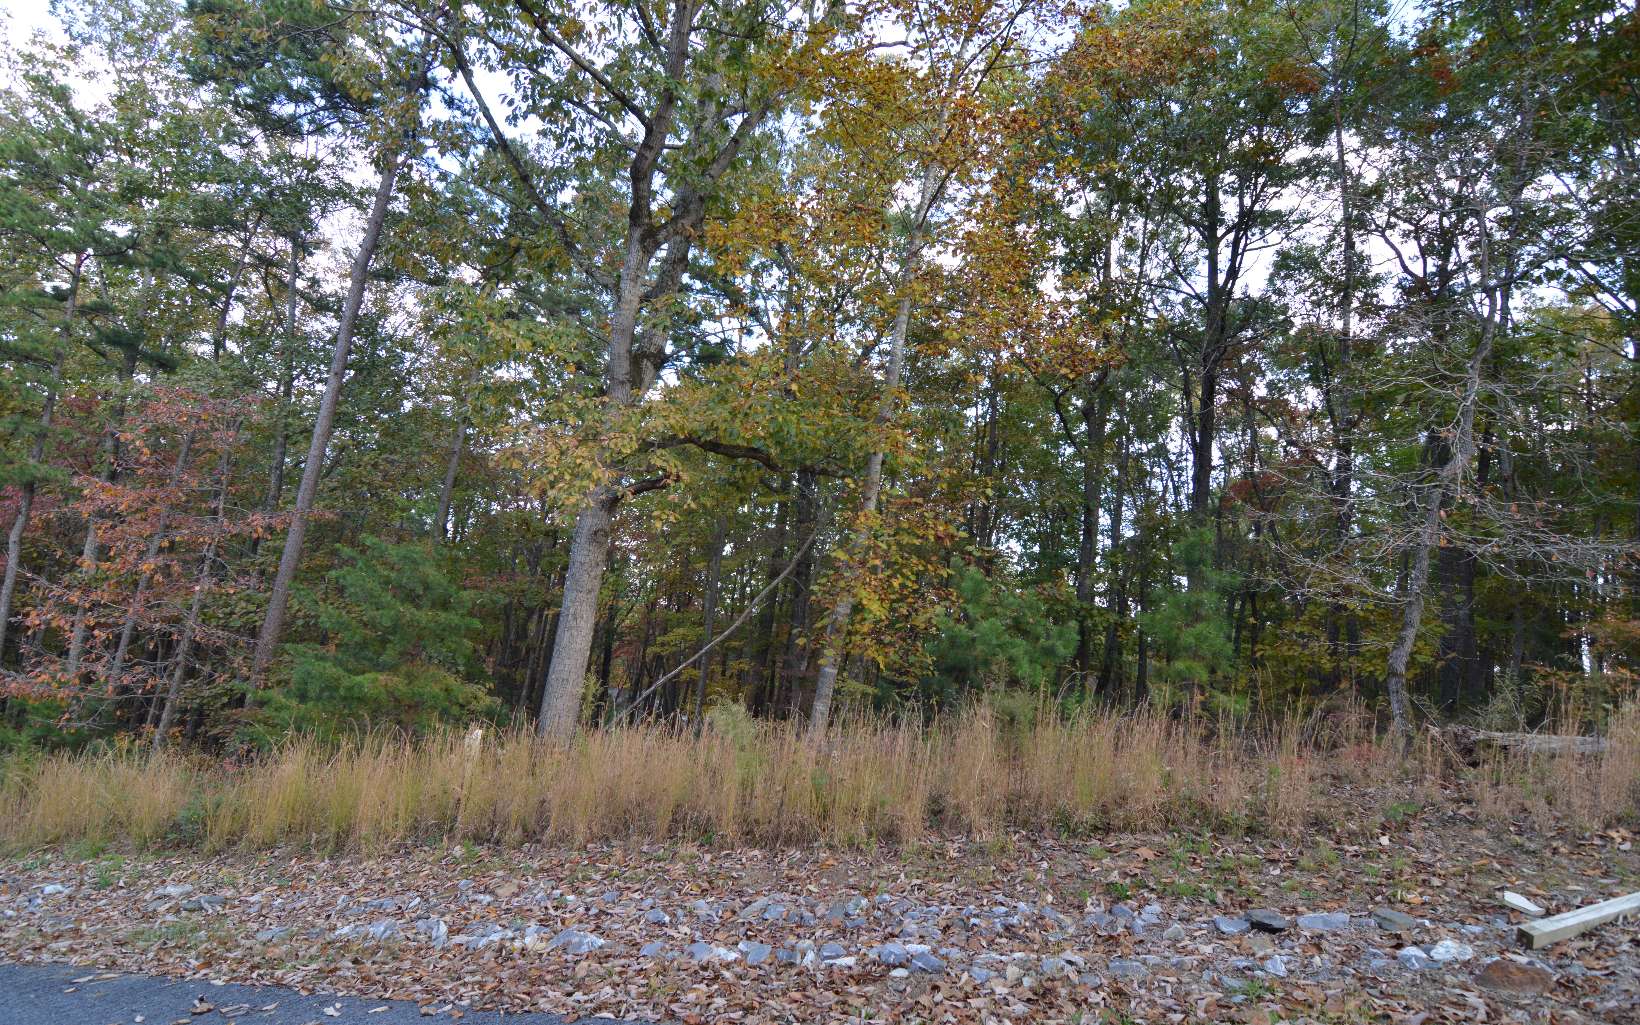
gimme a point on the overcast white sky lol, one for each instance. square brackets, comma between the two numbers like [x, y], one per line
[20, 18]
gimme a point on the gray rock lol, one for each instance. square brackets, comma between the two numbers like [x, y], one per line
[1124, 968]
[1331, 921]
[1451, 950]
[840, 912]
[1090, 979]
[273, 935]
[706, 952]
[491, 935]
[892, 954]
[1277, 966]
[435, 930]
[831, 951]
[785, 956]
[1231, 926]
[574, 941]
[1392, 920]
[1173, 933]
[981, 975]
[1267, 921]
[925, 962]
[1102, 922]
[774, 912]
[654, 948]
[1413, 958]
[756, 953]
[655, 916]
[753, 910]
[1151, 914]
[383, 929]
[1059, 921]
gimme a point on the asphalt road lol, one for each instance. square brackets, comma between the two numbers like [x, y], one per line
[50, 995]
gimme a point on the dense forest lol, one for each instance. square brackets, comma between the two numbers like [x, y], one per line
[562, 363]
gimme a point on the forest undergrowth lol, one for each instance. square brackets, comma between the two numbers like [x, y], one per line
[746, 782]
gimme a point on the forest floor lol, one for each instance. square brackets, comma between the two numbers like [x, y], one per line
[1016, 928]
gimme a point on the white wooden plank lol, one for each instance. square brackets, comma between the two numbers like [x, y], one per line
[1519, 903]
[1564, 926]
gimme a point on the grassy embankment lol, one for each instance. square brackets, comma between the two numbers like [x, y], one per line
[762, 784]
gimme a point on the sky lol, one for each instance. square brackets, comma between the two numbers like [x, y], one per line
[21, 18]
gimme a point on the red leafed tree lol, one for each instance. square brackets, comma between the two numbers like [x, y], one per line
[162, 524]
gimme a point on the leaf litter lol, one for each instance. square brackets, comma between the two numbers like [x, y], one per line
[1015, 929]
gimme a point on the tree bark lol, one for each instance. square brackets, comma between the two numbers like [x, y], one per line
[287, 388]
[88, 550]
[155, 541]
[190, 626]
[1111, 663]
[273, 623]
[1094, 414]
[577, 617]
[1341, 395]
[1440, 493]
[714, 572]
[448, 486]
[37, 451]
[831, 655]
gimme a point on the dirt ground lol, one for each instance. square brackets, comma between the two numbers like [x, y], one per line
[1116, 928]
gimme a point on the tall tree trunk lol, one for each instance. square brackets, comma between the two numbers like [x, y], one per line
[287, 388]
[766, 683]
[1439, 494]
[1202, 430]
[1341, 394]
[1111, 662]
[796, 656]
[577, 617]
[1094, 414]
[88, 549]
[273, 623]
[37, 451]
[155, 541]
[626, 379]
[448, 486]
[714, 573]
[825, 681]
[219, 337]
[202, 582]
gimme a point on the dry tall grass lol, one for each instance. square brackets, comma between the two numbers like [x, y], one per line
[761, 783]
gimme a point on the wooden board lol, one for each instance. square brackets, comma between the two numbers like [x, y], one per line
[1545, 931]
